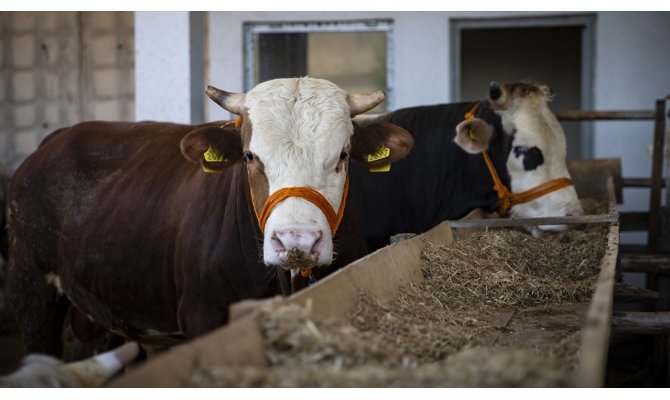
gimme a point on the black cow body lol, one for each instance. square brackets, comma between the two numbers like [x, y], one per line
[437, 181]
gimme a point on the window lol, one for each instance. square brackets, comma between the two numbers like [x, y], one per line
[356, 56]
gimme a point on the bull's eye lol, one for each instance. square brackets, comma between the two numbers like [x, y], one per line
[344, 155]
[248, 156]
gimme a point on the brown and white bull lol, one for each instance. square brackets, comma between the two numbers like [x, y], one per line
[151, 230]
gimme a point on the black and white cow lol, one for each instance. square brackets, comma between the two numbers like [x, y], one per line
[445, 175]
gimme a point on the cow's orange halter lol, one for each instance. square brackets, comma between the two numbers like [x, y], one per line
[509, 199]
[309, 194]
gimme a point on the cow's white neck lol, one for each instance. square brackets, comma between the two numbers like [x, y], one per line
[536, 129]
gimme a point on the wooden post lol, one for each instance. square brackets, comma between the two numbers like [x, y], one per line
[656, 178]
[660, 372]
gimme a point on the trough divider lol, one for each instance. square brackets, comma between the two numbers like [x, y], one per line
[508, 222]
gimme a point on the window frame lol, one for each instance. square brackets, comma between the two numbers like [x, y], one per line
[252, 29]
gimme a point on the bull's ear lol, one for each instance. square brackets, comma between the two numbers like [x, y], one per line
[380, 144]
[214, 147]
[473, 135]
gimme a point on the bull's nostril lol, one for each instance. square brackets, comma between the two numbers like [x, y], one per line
[317, 243]
[277, 244]
[303, 241]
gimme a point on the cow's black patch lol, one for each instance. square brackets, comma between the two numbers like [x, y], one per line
[532, 157]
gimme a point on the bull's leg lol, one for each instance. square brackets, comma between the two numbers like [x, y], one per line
[83, 338]
[39, 308]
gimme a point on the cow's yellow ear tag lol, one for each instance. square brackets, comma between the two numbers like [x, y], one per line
[472, 134]
[212, 155]
[382, 153]
[209, 170]
[381, 168]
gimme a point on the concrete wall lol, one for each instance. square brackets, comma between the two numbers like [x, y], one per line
[59, 68]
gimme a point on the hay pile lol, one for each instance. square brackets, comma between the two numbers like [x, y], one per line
[303, 353]
[463, 326]
[511, 268]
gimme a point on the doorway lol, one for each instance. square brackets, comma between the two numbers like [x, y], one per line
[553, 51]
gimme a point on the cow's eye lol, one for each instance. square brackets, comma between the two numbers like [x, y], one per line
[519, 150]
[248, 156]
[344, 155]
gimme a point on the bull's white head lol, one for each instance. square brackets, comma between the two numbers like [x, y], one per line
[298, 133]
[538, 149]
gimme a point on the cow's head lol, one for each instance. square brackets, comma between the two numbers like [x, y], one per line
[538, 149]
[298, 133]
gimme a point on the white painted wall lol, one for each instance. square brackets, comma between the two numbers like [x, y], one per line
[632, 70]
[168, 74]
[416, 80]
[420, 49]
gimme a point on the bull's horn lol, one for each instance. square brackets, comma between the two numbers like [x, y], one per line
[362, 102]
[95, 371]
[233, 102]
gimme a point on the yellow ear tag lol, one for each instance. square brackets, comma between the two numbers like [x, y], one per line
[472, 134]
[381, 168]
[211, 155]
[382, 153]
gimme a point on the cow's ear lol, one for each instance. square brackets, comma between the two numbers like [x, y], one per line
[380, 144]
[214, 147]
[473, 135]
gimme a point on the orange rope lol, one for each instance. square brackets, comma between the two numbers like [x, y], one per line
[509, 199]
[540, 190]
[471, 114]
[503, 193]
[310, 195]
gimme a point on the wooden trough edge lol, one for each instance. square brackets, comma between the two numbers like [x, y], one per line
[597, 325]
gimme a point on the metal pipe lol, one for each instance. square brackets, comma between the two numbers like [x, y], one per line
[579, 115]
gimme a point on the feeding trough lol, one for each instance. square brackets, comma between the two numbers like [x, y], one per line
[409, 315]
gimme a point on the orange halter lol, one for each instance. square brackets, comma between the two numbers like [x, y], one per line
[309, 194]
[509, 199]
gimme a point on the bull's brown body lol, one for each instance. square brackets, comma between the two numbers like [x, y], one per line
[137, 238]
